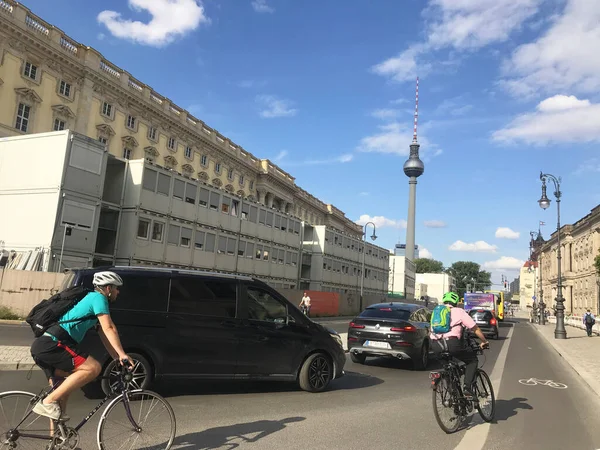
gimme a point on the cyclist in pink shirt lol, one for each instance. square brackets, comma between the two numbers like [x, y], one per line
[453, 343]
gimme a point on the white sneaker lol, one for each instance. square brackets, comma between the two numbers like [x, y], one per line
[52, 410]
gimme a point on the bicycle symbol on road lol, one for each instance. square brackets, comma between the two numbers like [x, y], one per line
[549, 383]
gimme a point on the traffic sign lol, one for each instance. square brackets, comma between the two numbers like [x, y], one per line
[533, 297]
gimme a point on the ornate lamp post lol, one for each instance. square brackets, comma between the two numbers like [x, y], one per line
[362, 277]
[535, 247]
[544, 201]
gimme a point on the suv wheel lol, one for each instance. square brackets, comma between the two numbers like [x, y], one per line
[316, 373]
[358, 358]
[422, 359]
[142, 374]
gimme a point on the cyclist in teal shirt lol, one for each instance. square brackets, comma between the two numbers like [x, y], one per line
[57, 351]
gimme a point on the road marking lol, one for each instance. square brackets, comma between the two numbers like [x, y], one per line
[549, 383]
[475, 437]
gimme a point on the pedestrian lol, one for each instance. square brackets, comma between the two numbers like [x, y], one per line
[305, 304]
[589, 320]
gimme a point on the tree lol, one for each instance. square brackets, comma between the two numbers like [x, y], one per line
[597, 263]
[425, 265]
[468, 272]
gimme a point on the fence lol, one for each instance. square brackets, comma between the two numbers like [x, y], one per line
[21, 290]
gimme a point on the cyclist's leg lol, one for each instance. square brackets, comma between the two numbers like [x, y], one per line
[83, 373]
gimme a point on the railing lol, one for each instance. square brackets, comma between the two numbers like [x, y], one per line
[6, 7]
[175, 110]
[220, 139]
[192, 121]
[37, 26]
[68, 45]
[156, 99]
[206, 130]
[135, 86]
[109, 69]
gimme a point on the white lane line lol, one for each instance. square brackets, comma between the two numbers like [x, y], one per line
[475, 437]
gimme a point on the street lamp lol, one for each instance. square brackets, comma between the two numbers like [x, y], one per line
[560, 332]
[362, 277]
[535, 246]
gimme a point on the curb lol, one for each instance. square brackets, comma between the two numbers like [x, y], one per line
[6, 366]
[575, 365]
[12, 322]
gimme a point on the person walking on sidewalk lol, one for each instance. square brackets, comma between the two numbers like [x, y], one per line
[589, 320]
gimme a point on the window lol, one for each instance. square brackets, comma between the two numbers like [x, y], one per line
[218, 167]
[157, 231]
[242, 248]
[131, 121]
[186, 236]
[171, 143]
[143, 293]
[225, 204]
[64, 89]
[284, 222]
[251, 184]
[214, 200]
[245, 211]
[143, 228]
[23, 116]
[107, 109]
[188, 152]
[277, 221]
[59, 125]
[79, 215]
[103, 140]
[199, 240]
[281, 256]
[230, 174]
[30, 71]
[164, 184]
[149, 182]
[209, 245]
[263, 307]
[178, 189]
[294, 259]
[262, 216]
[190, 193]
[204, 160]
[196, 295]
[174, 231]
[266, 251]
[226, 245]
[235, 207]
[152, 132]
[269, 221]
[253, 214]
[259, 251]
[241, 180]
[127, 153]
[203, 199]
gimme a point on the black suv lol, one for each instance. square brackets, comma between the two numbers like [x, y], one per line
[190, 324]
[399, 330]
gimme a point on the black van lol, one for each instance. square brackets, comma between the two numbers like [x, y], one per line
[180, 324]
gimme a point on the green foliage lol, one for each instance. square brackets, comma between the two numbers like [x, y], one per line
[597, 263]
[425, 265]
[7, 314]
[469, 272]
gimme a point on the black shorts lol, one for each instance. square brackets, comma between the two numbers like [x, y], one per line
[51, 355]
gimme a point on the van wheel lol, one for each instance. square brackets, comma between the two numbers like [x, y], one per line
[316, 373]
[142, 374]
[358, 358]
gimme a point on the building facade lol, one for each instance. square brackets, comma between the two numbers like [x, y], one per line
[437, 284]
[580, 243]
[50, 82]
[402, 277]
[528, 284]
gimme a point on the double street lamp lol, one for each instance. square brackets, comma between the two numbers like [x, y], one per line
[560, 332]
[362, 276]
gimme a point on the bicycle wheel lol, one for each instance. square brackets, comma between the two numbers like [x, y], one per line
[445, 405]
[14, 406]
[149, 411]
[484, 392]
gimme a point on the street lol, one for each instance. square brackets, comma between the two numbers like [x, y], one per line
[382, 404]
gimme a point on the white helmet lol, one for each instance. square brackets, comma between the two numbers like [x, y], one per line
[107, 278]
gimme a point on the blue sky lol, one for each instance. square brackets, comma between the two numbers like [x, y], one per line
[326, 90]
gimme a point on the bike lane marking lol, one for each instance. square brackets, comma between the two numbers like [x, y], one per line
[476, 436]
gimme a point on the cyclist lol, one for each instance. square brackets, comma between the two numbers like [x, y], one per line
[305, 304]
[454, 343]
[57, 351]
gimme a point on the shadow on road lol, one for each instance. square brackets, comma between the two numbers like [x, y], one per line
[230, 437]
[505, 409]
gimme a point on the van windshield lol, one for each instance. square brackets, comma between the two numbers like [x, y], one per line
[68, 281]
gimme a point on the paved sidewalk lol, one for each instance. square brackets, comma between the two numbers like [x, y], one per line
[579, 350]
[16, 357]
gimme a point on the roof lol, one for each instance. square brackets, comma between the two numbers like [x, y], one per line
[530, 264]
[165, 270]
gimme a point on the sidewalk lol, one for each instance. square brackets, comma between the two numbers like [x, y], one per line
[576, 348]
[16, 357]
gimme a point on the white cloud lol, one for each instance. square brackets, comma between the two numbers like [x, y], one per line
[565, 58]
[591, 165]
[170, 19]
[275, 107]
[395, 138]
[479, 247]
[344, 158]
[504, 263]
[558, 119]
[507, 233]
[424, 253]
[381, 222]
[435, 224]
[282, 154]
[399, 101]
[385, 113]
[100, 36]
[261, 6]
[363, 194]
[460, 25]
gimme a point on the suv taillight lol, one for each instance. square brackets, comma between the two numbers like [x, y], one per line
[354, 325]
[405, 328]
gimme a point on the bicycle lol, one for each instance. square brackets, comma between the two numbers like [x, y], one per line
[447, 385]
[52, 434]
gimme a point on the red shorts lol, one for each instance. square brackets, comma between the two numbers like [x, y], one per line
[51, 355]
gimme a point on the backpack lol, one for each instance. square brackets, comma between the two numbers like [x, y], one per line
[47, 312]
[440, 319]
[589, 320]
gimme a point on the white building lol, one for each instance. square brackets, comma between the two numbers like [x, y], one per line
[437, 284]
[528, 284]
[402, 277]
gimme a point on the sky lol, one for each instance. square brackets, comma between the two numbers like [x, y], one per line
[326, 90]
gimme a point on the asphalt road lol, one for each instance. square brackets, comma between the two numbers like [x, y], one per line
[382, 404]
[15, 334]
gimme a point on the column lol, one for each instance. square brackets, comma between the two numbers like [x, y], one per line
[85, 108]
[269, 200]
[283, 205]
[260, 195]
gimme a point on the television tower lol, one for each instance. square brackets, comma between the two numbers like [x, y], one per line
[413, 168]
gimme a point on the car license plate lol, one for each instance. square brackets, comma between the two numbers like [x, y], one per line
[377, 344]
[481, 322]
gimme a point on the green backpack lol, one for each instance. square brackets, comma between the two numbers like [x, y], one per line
[440, 319]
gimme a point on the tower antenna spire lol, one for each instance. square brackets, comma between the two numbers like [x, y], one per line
[416, 113]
